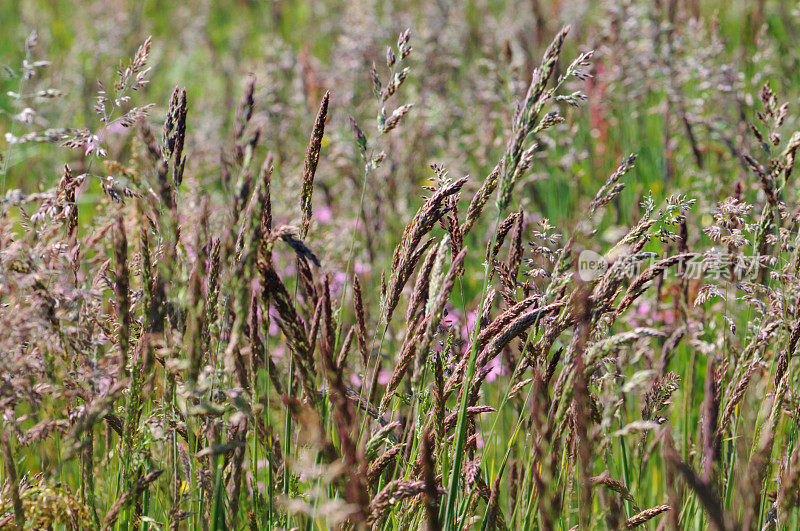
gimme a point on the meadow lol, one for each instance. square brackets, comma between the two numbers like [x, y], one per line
[382, 264]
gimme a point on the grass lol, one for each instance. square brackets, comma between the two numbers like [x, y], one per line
[399, 265]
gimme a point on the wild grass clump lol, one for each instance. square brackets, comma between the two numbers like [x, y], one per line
[276, 316]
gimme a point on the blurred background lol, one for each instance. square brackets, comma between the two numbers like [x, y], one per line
[673, 80]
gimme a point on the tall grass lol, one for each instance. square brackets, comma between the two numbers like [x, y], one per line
[234, 310]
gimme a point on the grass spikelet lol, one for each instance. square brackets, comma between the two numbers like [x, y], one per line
[361, 322]
[644, 516]
[392, 494]
[310, 164]
[121, 292]
[380, 463]
[404, 258]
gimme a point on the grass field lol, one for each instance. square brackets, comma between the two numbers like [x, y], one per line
[396, 265]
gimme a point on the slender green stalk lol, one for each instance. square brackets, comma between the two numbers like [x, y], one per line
[461, 426]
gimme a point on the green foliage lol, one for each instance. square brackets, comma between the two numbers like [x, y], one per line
[186, 342]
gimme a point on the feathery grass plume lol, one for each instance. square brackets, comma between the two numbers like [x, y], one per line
[393, 120]
[487, 333]
[379, 464]
[83, 418]
[407, 354]
[431, 270]
[519, 386]
[313, 330]
[393, 493]
[46, 505]
[500, 322]
[605, 480]
[344, 352]
[451, 225]
[67, 187]
[265, 196]
[146, 275]
[761, 450]
[165, 188]
[242, 201]
[738, 394]
[289, 322]
[196, 309]
[212, 289]
[121, 291]
[450, 420]
[406, 254]
[612, 187]
[308, 289]
[500, 235]
[657, 398]
[773, 174]
[287, 235]
[636, 287]
[515, 250]
[381, 436]
[175, 134]
[43, 430]
[438, 388]
[154, 291]
[784, 357]
[644, 516]
[361, 322]
[310, 164]
[168, 138]
[525, 119]
[480, 199]
[582, 403]
[436, 276]
[607, 346]
[328, 343]
[244, 113]
[513, 330]
[247, 209]
[420, 339]
[246, 107]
